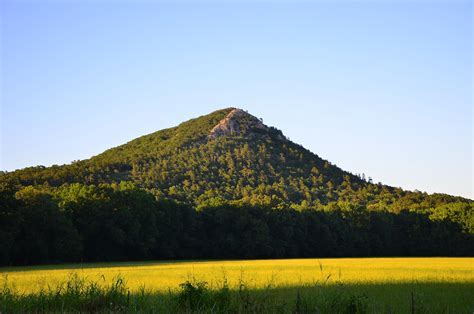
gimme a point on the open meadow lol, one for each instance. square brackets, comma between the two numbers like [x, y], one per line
[374, 285]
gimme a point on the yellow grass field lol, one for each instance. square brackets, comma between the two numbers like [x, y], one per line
[162, 276]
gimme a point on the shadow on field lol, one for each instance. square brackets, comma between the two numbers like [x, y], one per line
[79, 294]
[98, 265]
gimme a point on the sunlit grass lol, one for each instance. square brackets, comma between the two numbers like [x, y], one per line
[374, 285]
[162, 276]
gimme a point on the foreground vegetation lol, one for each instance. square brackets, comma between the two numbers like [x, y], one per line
[161, 276]
[83, 296]
[422, 285]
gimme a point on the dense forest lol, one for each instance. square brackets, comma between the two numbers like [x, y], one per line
[220, 186]
[79, 222]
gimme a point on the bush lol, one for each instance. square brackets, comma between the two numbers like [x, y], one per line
[193, 295]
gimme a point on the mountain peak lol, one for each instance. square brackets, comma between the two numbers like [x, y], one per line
[237, 122]
[228, 154]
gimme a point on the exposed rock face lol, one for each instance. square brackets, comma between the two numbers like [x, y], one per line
[236, 123]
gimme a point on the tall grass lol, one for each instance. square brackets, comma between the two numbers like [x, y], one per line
[431, 285]
[77, 294]
[163, 275]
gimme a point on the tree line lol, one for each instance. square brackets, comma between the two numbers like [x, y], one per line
[119, 221]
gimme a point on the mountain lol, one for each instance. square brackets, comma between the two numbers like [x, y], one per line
[230, 156]
[224, 185]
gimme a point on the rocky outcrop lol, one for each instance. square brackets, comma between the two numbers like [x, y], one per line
[236, 123]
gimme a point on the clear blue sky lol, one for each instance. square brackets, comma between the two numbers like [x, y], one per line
[378, 88]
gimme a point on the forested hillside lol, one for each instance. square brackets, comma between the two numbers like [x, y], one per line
[209, 187]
